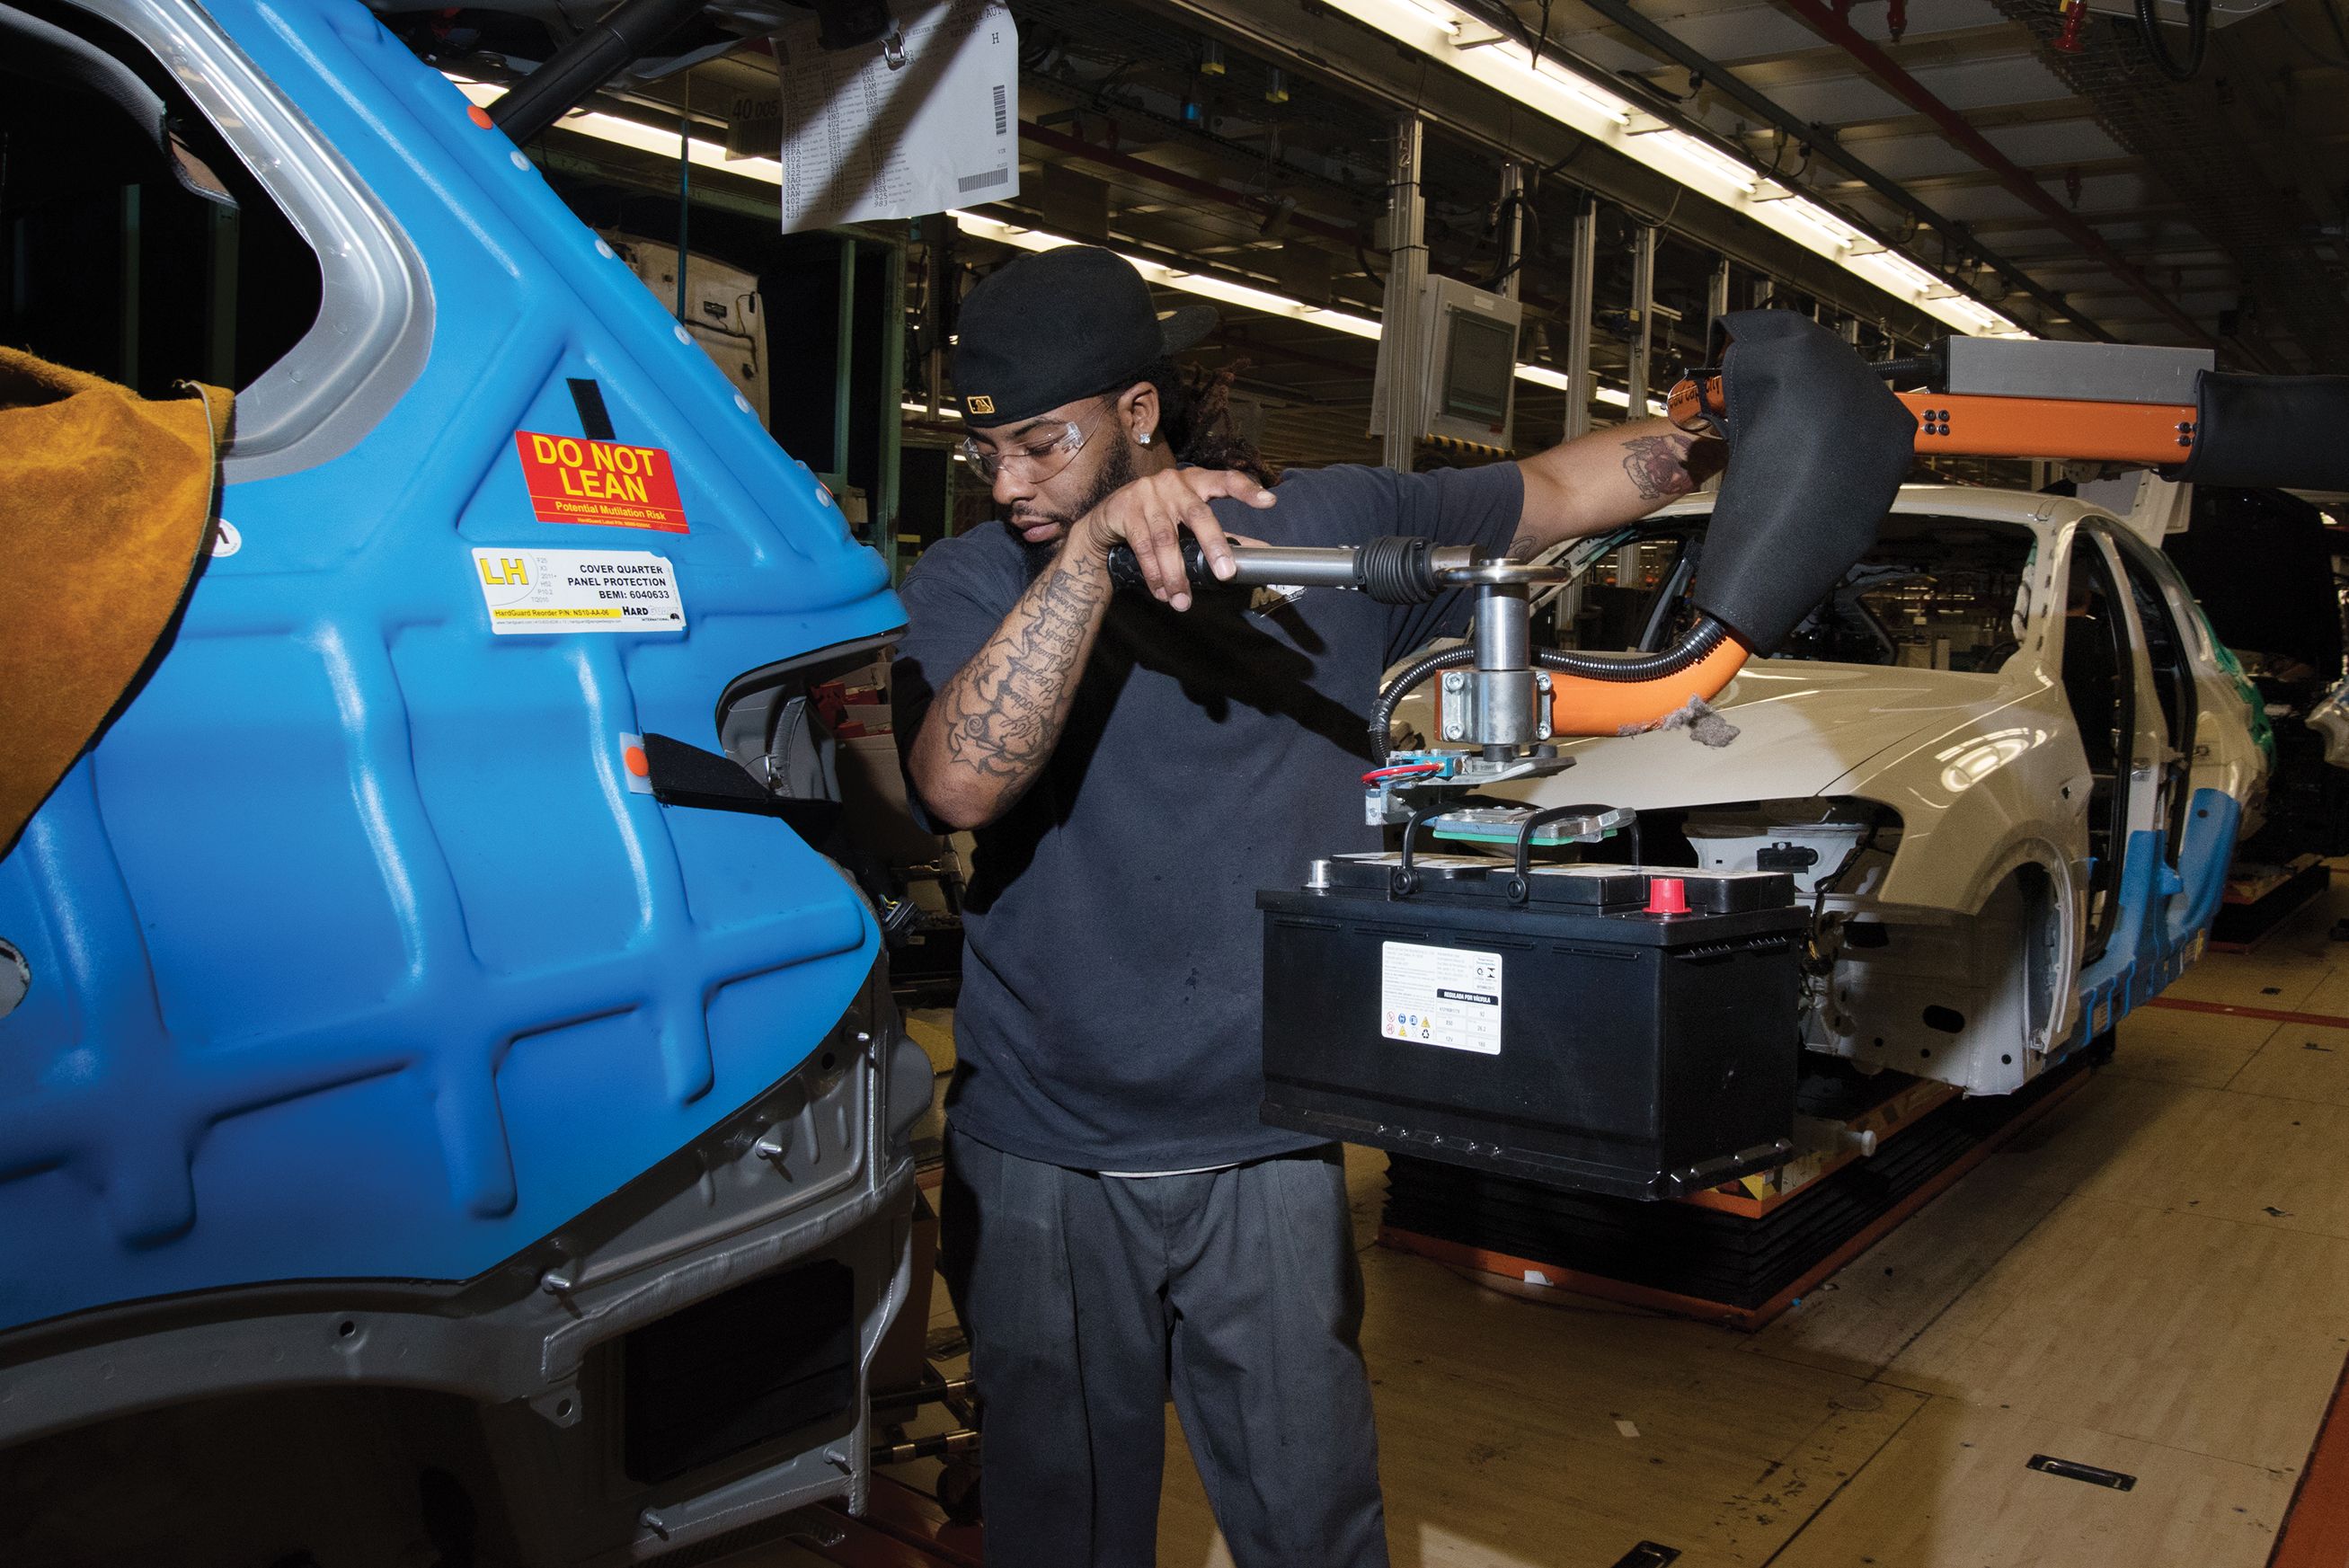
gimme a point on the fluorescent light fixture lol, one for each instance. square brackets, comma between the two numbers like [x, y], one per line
[1207, 285]
[1431, 26]
[1729, 171]
[622, 132]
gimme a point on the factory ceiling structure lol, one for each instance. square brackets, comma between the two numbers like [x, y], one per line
[2039, 171]
[1900, 168]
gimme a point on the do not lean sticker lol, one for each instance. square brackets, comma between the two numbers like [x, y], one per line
[575, 480]
[542, 591]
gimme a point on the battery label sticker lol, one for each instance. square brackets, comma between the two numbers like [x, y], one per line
[606, 482]
[1441, 997]
[542, 591]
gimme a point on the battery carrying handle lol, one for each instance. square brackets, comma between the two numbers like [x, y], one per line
[1521, 880]
[1403, 880]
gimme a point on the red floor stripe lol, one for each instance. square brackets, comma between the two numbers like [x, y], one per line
[2317, 1020]
[2315, 1532]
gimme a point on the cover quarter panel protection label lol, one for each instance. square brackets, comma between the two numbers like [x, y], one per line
[1444, 997]
[542, 591]
[607, 482]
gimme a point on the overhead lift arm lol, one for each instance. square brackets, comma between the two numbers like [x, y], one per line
[2164, 408]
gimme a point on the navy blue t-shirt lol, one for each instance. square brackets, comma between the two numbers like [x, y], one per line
[1111, 1013]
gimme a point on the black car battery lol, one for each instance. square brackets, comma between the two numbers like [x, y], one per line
[1604, 1029]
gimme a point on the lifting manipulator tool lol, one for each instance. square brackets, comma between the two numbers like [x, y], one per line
[1817, 451]
[2164, 408]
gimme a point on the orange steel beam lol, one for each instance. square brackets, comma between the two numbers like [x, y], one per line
[1971, 424]
[1948, 424]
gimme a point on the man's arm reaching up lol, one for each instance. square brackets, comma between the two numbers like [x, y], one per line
[1609, 478]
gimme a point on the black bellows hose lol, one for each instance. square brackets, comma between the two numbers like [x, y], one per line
[2268, 431]
[1818, 447]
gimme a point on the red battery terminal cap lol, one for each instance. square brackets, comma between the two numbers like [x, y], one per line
[1667, 895]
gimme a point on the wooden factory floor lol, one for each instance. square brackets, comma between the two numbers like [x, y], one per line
[2153, 1279]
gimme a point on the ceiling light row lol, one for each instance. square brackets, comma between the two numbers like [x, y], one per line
[1453, 36]
[663, 143]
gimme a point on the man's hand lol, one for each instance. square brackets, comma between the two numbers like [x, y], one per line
[1150, 514]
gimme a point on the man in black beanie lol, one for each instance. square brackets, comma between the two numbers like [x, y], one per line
[1117, 1220]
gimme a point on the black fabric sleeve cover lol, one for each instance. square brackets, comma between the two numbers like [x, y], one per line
[1818, 447]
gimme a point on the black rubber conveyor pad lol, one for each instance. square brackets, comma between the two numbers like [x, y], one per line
[1818, 447]
[2291, 432]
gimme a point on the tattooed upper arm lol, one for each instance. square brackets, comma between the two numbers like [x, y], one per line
[1657, 466]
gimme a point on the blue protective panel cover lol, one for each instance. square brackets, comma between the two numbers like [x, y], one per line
[2165, 914]
[352, 953]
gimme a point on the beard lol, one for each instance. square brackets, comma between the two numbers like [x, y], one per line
[1117, 471]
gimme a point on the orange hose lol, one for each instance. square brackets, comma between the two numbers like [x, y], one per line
[1579, 706]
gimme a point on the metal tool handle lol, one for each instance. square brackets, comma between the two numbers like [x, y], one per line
[1396, 569]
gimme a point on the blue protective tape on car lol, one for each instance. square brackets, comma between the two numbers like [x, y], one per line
[354, 954]
[2156, 935]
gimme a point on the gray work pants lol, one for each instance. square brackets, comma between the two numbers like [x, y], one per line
[1086, 1297]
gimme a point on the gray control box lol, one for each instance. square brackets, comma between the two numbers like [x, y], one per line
[2090, 372]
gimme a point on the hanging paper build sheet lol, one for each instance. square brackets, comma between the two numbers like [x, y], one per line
[925, 120]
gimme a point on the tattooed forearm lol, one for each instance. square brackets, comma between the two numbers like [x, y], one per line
[1659, 465]
[997, 719]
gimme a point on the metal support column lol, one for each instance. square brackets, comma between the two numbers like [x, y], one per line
[937, 270]
[1643, 299]
[1513, 228]
[892, 391]
[1400, 350]
[1716, 299]
[844, 360]
[684, 190]
[1578, 319]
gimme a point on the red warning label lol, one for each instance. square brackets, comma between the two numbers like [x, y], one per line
[575, 480]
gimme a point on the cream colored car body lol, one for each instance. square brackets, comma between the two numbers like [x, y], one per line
[1953, 947]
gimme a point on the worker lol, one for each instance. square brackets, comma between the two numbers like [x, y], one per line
[1134, 766]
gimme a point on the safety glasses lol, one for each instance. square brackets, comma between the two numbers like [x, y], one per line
[1038, 454]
